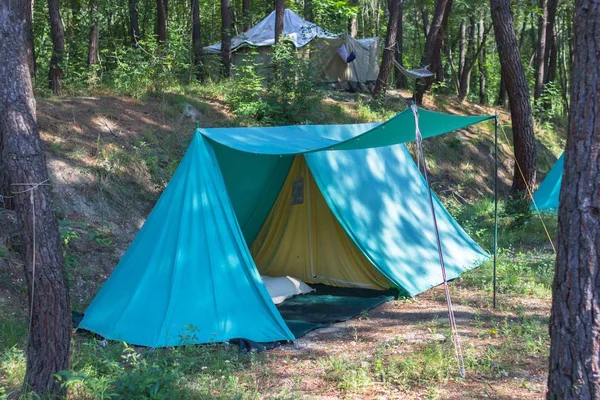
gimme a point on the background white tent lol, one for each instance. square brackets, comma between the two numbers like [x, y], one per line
[325, 48]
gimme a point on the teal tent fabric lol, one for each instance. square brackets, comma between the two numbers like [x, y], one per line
[188, 277]
[546, 196]
[383, 205]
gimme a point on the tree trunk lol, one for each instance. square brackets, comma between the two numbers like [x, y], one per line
[575, 317]
[57, 34]
[433, 46]
[30, 39]
[162, 15]
[94, 38]
[134, 25]
[388, 52]
[551, 43]
[246, 15]
[469, 62]
[540, 59]
[501, 99]
[24, 162]
[518, 97]
[462, 49]
[425, 18]
[353, 21]
[225, 38]
[279, 17]
[481, 62]
[197, 40]
[401, 81]
[308, 11]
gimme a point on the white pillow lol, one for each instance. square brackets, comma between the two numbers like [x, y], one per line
[284, 287]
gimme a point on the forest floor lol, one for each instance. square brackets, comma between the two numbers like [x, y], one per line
[109, 158]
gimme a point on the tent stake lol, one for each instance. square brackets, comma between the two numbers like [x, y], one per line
[495, 206]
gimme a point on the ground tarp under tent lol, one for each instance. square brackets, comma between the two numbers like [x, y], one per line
[337, 205]
[338, 57]
[545, 198]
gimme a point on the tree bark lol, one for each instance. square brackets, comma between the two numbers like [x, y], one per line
[388, 52]
[518, 97]
[482, 63]
[550, 57]
[30, 39]
[540, 59]
[94, 37]
[246, 15]
[401, 81]
[575, 318]
[501, 99]
[57, 33]
[225, 38]
[162, 16]
[425, 18]
[279, 17]
[433, 46]
[24, 162]
[197, 40]
[134, 25]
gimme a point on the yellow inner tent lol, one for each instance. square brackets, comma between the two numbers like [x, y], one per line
[303, 239]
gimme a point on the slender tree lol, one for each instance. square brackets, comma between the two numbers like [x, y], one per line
[279, 17]
[30, 39]
[197, 40]
[401, 81]
[433, 46]
[353, 20]
[246, 15]
[518, 97]
[162, 16]
[540, 58]
[388, 52]
[482, 63]
[134, 25]
[469, 61]
[57, 33]
[225, 38]
[94, 36]
[308, 11]
[575, 317]
[24, 163]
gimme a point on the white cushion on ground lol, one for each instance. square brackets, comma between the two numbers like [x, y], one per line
[284, 287]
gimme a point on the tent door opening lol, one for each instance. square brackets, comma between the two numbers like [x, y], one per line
[302, 238]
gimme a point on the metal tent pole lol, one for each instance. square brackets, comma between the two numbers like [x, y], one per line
[495, 206]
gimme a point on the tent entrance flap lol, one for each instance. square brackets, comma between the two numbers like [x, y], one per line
[302, 238]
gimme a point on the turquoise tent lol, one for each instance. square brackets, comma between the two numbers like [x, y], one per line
[546, 196]
[341, 205]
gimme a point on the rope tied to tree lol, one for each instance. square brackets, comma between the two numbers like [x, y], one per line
[455, 335]
[31, 192]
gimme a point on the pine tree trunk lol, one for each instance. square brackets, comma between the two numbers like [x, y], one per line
[575, 318]
[94, 38]
[551, 43]
[518, 97]
[481, 62]
[388, 52]
[462, 49]
[279, 17]
[401, 81]
[426, 22]
[24, 162]
[225, 38]
[246, 15]
[134, 25]
[353, 20]
[433, 46]
[162, 16]
[197, 40]
[540, 59]
[469, 62]
[57, 33]
[30, 39]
